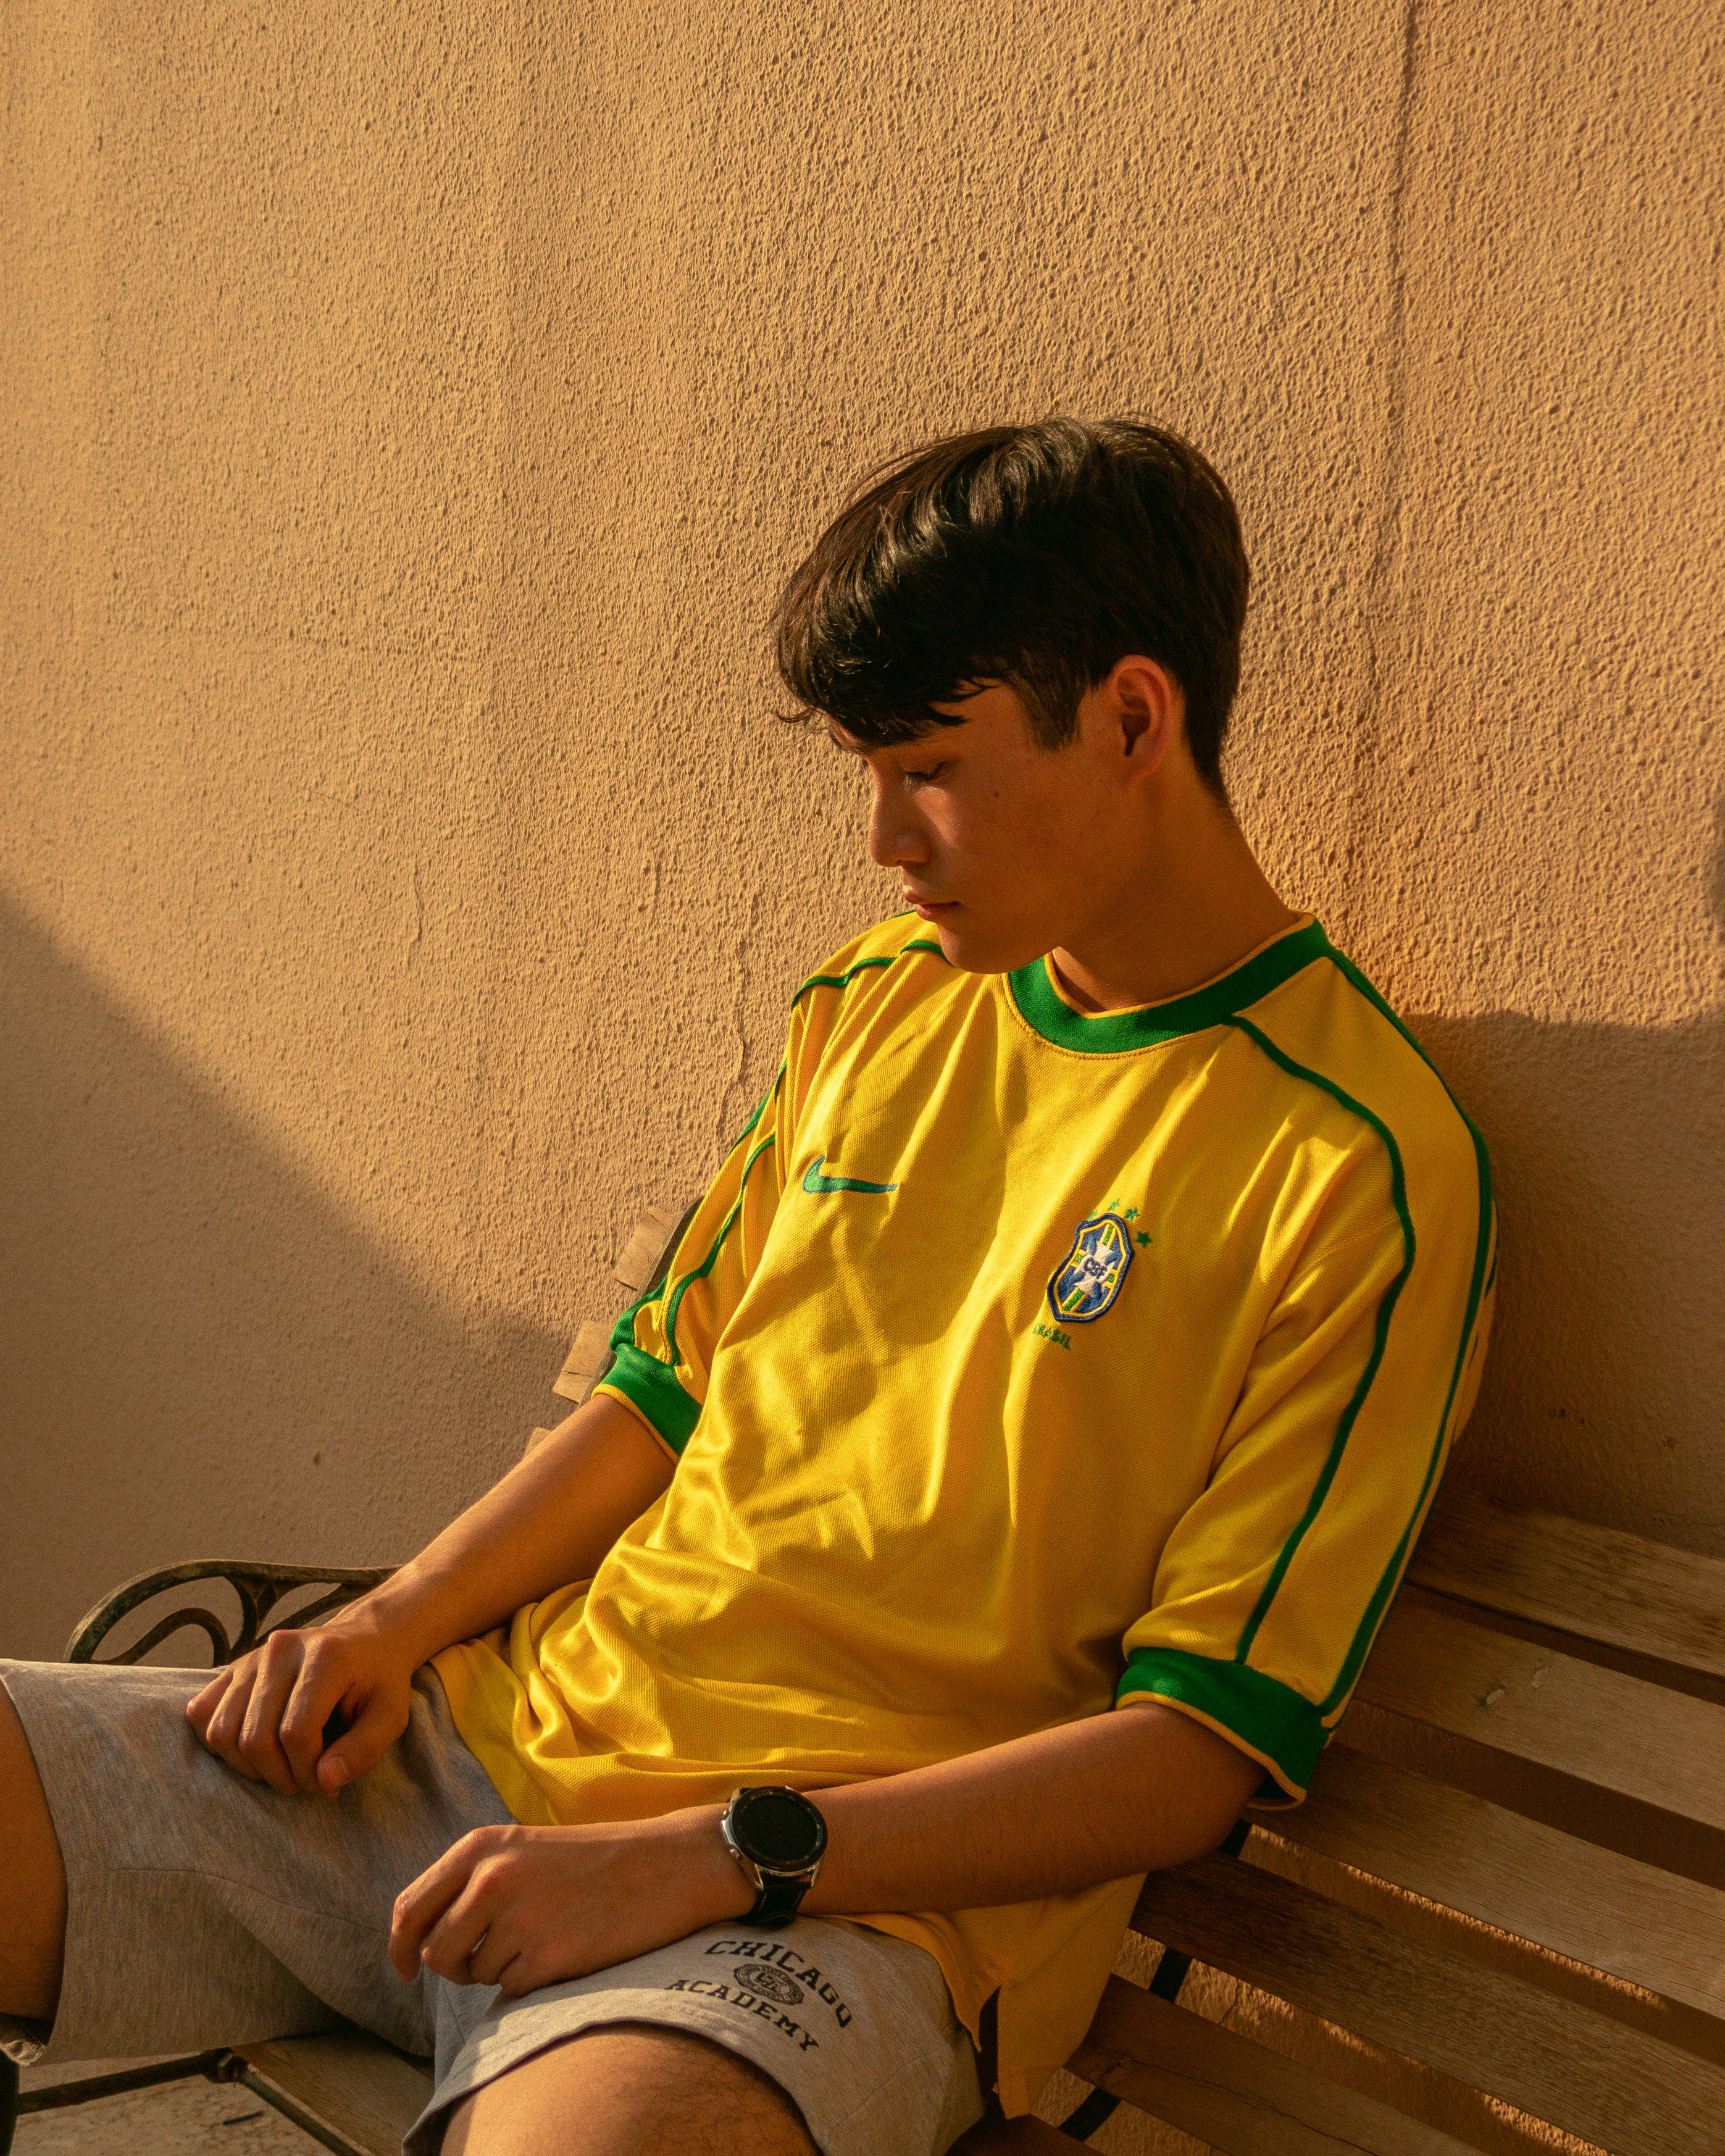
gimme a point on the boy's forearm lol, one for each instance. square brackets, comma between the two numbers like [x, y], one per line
[1119, 1794]
[551, 1520]
[1108, 1797]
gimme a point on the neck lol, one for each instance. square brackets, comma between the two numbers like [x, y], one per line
[1194, 905]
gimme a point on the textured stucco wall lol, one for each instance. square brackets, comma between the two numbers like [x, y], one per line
[408, 412]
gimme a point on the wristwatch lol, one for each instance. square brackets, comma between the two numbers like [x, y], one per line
[777, 1838]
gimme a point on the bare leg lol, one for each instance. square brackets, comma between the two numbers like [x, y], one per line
[634, 2090]
[33, 1882]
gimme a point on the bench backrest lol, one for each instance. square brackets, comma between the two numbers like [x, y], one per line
[1503, 1901]
[1507, 1888]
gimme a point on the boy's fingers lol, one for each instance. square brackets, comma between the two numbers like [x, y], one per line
[488, 1958]
[305, 1715]
[465, 1921]
[220, 1733]
[260, 1737]
[203, 1704]
[418, 1906]
[354, 1752]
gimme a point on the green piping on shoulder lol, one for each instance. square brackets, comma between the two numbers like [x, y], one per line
[1485, 1247]
[675, 1306]
[1380, 1331]
[865, 965]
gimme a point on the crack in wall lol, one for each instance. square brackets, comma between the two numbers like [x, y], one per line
[1381, 573]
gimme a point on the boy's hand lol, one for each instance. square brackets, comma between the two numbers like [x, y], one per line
[520, 1907]
[266, 1714]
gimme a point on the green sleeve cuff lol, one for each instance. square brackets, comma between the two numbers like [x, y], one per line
[1265, 1719]
[651, 1386]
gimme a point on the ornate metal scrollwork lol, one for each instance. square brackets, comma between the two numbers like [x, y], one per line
[258, 1587]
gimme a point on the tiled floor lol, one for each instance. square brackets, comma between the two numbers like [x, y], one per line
[174, 2120]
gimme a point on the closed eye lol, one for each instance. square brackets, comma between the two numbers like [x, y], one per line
[925, 778]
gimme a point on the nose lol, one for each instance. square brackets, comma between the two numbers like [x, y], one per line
[896, 836]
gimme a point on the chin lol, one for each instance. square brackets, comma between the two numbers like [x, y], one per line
[974, 949]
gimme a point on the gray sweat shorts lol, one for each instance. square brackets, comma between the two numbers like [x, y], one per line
[207, 1910]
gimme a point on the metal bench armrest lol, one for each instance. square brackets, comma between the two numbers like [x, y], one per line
[258, 1586]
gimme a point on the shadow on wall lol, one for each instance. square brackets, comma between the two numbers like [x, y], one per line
[1602, 1390]
[202, 1355]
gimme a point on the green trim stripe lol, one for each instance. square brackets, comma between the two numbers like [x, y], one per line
[712, 1259]
[1380, 1331]
[1268, 1716]
[1354, 1661]
[1352, 973]
[655, 1391]
[1484, 1249]
[767, 1100]
[652, 1384]
[629, 1373]
[1485, 1245]
[1117, 1033]
[623, 1330]
[863, 965]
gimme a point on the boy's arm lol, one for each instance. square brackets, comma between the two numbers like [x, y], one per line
[550, 1521]
[1106, 1798]
[1052, 1813]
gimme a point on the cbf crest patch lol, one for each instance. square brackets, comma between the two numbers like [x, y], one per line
[1095, 1270]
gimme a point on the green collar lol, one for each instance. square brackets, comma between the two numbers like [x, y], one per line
[1114, 1033]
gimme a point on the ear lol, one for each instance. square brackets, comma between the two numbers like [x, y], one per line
[1147, 711]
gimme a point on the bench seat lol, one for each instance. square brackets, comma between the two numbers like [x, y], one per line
[1502, 1907]
[1497, 1925]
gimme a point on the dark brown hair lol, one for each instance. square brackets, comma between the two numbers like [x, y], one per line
[1036, 555]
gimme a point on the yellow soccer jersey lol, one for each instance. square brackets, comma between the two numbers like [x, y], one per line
[1017, 1362]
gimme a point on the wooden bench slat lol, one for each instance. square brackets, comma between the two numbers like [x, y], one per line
[1659, 1747]
[1233, 2094]
[995, 2136]
[1610, 2085]
[355, 2086]
[584, 1361]
[1648, 1927]
[638, 1259]
[1598, 1584]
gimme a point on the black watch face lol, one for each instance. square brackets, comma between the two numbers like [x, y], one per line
[779, 1831]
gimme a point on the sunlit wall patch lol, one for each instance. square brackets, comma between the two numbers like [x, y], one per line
[1094, 1271]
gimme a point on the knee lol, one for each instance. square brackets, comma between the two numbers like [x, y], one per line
[630, 2090]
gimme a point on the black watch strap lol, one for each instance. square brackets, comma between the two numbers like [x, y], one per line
[778, 1838]
[776, 1902]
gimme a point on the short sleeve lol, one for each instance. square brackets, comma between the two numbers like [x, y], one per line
[1271, 1589]
[665, 1343]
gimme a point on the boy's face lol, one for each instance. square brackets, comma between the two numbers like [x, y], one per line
[1009, 850]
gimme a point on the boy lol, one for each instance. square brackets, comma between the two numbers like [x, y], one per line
[1080, 1325]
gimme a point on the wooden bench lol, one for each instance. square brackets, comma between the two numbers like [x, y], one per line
[1501, 1910]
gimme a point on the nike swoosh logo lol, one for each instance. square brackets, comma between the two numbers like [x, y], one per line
[814, 1182]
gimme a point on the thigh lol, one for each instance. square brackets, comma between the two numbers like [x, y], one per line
[204, 1909]
[854, 2031]
[33, 1880]
[629, 2092]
